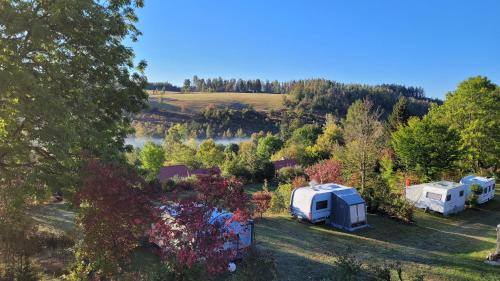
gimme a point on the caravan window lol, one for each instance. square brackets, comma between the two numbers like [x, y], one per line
[320, 205]
[461, 193]
[448, 197]
[434, 196]
[485, 190]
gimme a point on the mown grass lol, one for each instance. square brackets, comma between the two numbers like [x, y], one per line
[442, 248]
[195, 102]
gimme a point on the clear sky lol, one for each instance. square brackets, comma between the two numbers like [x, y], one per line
[434, 44]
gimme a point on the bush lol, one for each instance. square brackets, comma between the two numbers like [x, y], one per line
[380, 199]
[262, 201]
[299, 182]
[280, 199]
[287, 174]
[476, 190]
[178, 183]
[326, 171]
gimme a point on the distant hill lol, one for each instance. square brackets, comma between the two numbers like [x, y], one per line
[191, 103]
[224, 113]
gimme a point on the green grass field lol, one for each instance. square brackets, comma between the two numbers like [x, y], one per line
[195, 102]
[443, 248]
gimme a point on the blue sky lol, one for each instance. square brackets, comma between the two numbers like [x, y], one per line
[434, 44]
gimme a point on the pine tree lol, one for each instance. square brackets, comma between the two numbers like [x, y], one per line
[399, 115]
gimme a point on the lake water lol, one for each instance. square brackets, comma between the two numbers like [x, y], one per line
[140, 141]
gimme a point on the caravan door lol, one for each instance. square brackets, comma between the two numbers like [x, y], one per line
[358, 213]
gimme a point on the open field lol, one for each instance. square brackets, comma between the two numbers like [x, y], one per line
[443, 248]
[195, 102]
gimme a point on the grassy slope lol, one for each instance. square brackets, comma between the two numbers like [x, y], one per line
[195, 102]
[454, 248]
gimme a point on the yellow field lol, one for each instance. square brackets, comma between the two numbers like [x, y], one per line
[194, 102]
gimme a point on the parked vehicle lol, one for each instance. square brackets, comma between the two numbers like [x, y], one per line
[244, 232]
[487, 187]
[443, 196]
[335, 204]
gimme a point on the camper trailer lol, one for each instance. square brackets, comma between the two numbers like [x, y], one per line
[487, 187]
[443, 196]
[335, 204]
[244, 231]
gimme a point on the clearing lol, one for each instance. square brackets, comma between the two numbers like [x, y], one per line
[196, 101]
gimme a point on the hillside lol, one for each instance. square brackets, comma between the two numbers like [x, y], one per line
[224, 113]
[195, 102]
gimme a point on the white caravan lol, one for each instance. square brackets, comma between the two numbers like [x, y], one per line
[335, 204]
[443, 196]
[487, 191]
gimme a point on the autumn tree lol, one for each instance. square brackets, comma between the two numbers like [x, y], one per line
[329, 140]
[262, 201]
[363, 132]
[192, 236]
[115, 212]
[326, 171]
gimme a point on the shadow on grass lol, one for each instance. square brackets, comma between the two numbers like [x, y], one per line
[453, 245]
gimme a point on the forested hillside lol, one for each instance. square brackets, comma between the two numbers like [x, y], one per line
[203, 110]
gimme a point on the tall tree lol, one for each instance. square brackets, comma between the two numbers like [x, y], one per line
[186, 86]
[363, 132]
[399, 114]
[65, 94]
[426, 147]
[473, 109]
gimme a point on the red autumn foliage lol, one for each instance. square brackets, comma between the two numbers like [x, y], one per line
[389, 153]
[326, 171]
[115, 211]
[262, 201]
[299, 182]
[190, 234]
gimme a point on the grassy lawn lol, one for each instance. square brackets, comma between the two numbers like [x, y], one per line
[254, 187]
[195, 102]
[56, 223]
[444, 248]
